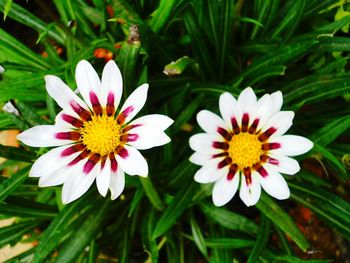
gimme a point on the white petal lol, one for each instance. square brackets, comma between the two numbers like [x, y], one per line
[42, 136]
[111, 83]
[133, 163]
[203, 143]
[51, 161]
[286, 165]
[277, 101]
[117, 183]
[87, 81]
[56, 178]
[292, 145]
[262, 111]
[103, 178]
[157, 120]
[78, 182]
[247, 100]
[274, 184]
[281, 121]
[229, 108]
[62, 94]
[250, 194]
[146, 137]
[135, 102]
[209, 121]
[210, 172]
[224, 190]
[200, 158]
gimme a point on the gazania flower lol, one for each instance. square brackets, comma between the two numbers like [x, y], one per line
[247, 148]
[95, 140]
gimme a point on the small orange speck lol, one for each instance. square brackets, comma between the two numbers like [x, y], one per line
[103, 53]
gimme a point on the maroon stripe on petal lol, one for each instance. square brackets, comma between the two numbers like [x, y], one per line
[260, 169]
[267, 134]
[254, 126]
[245, 122]
[122, 152]
[132, 137]
[232, 172]
[110, 104]
[220, 145]
[270, 146]
[263, 158]
[220, 154]
[123, 115]
[103, 161]
[73, 149]
[83, 114]
[72, 135]
[273, 161]
[235, 126]
[114, 164]
[224, 133]
[71, 120]
[129, 127]
[91, 162]
[96, 106]
[80, 157]
[248, 175]
[224, 162]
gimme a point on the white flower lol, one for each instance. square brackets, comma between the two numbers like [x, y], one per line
[94, 139]
[246, 147]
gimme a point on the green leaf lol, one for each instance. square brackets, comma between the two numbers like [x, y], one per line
[228, 243]
[177, 206]
[261, 240]
[8, 186]
[7, 8]
[198, 236]
[14, 153]
[16, 231]
[161, 15]
[279, 217]
[151, 193]
[177, 67]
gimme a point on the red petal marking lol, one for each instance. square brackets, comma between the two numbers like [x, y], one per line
[263, 158]
[273, 161]
[248, 179]
[254, 126]
[74, 121]
[103, 161]
[110, 104]
[270, 146]
[91, 162]
[73, 149]
[123, 153]
[96, 106]
[224, 133]
[220, 145]
[129, 127]
[232, 172]
[220, 155]
[85, 115]
[235, 126]
[245, 122]
[224, 162]
[260, 169]
[72, 135]
[114, 164]
[267, 134]
[132, 137]
[122, 116]
[80, 157]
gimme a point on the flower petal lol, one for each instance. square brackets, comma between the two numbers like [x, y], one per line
[103, 177]
[229, 108]
[42, 136]
[117, 183]
[277, 101]
[285, 165]
[200, 158]
[203, 143]
[111, 84]
[51, 161]
[224, 190]
[132, 162]
[250, 193]
[78, 182]
[209, 121]
[281, 121]
[58, 177]
[292, 145]
[247, 100]
[87, 81]
[262, 111]
[157, 120]
[274, 184]
[210, 172]
[134, 102]
[146, 137]
[62, 94]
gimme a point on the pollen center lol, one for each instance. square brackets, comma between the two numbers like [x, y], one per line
[245, 149]
[101, 134]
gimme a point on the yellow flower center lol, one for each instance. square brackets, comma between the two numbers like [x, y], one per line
[245, 149]
[101, 134]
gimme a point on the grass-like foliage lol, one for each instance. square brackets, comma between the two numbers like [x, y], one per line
[297, 46]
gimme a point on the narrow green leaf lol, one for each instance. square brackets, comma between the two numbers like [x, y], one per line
[151, 193]
[25, 211]
[198, 236]
[14, 153]
[279, 217]
[16, 231]
[161, 15]
[228, 243]
[177, 206]
[7, 8]
[8, 186]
